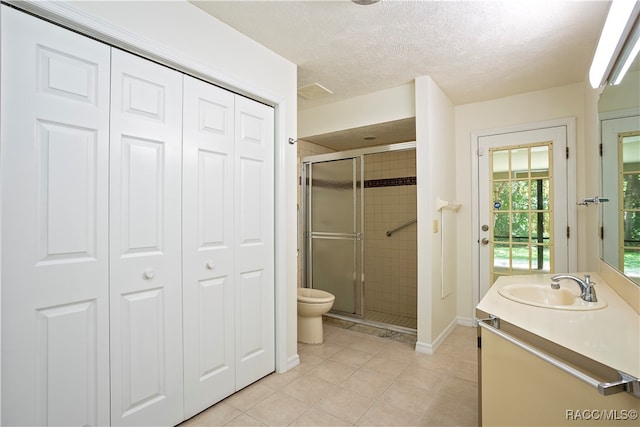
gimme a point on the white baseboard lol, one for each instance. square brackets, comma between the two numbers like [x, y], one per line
[423, 347]
[292, 362]
[467, 321]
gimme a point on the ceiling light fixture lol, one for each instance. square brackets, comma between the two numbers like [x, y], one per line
[617, 28]
[627, 56]
[365, 2]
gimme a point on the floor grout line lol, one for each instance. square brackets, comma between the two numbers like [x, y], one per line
[370, 408]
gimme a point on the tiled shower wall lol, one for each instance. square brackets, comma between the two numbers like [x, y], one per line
[390, 268]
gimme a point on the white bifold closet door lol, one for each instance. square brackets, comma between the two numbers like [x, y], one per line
[116, 309]
[208, 261]
[227, 243]
[254, 241]
[145, 243]
[55, 159]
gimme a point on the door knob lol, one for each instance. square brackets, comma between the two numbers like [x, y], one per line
[210, 265]
[149, 273]
[485, 241]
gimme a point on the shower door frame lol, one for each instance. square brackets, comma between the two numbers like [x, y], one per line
[356, 236]
[307, 250]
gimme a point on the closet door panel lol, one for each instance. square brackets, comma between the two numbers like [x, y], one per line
[145, 237]
[142, 195]
[208, 263]
[254, 241]
[54, 153]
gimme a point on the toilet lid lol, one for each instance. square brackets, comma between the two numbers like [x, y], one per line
[314, 296]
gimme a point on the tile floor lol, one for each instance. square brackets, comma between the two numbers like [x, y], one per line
[357, 379]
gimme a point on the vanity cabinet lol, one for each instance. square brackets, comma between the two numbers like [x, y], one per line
[518, 388]
[137, 234]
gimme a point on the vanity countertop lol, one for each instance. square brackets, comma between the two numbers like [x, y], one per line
[610, 335]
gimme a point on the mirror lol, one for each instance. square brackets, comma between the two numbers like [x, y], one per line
[619, 119]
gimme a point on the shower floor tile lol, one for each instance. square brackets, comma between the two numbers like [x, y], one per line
[372, 328]
[392, 319]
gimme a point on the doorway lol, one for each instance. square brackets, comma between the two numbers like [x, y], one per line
[524, 202]
[359, 233]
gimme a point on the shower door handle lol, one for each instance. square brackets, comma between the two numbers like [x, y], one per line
[340, 236]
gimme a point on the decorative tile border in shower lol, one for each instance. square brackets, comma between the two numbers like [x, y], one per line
[390, 182]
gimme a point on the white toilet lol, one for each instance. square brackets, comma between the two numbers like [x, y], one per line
[312, 304]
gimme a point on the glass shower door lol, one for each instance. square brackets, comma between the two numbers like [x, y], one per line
[334, 231]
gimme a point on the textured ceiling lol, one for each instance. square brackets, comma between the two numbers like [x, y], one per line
[474, 50]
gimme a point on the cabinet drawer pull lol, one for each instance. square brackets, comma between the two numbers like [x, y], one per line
[210, 265]
[149, 273]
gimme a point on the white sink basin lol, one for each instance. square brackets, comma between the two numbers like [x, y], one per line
[541, 295]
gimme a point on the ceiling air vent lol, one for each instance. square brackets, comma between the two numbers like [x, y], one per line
[313, 91]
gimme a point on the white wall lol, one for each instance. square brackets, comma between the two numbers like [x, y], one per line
[589, 186]
[621, 97]
[378, 107]
[549, 104]
[436, 177]
[177, 32]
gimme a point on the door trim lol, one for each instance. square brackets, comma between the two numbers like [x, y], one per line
[611, 211]
[339, 155]
[570, 124]
[68, 16]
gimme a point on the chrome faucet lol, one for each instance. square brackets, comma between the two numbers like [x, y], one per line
[588, 291]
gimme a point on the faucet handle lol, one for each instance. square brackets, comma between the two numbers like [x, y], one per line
[590, 291]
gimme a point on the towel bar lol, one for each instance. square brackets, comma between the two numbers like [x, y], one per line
[626, 382]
